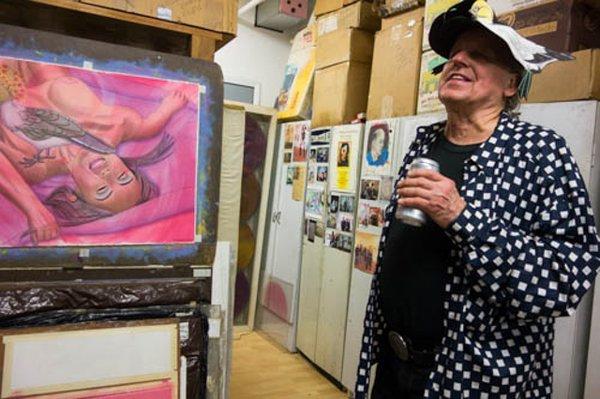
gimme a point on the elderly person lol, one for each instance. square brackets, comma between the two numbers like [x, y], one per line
[464, 306]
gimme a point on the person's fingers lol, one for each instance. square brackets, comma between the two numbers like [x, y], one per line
[415, 192]
[426, 173]
[422, 182]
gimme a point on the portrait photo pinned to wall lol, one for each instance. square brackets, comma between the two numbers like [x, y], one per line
[323, 154]
[334, 203]
[377, 159]
[344, 242]
[369, 189]
[365, 251]
[345, 222]
[332, 221]
[312, 155]
[287, 157]
[290, 174]
[376, 216]
[344, 158]
[301, 137]
[346, 203]
[386, 188]
[363, 215]
[343, 154]
[321, 173]
[112, 160]
[331, 237]
[312, 173]
[288, 136]
[314, 203]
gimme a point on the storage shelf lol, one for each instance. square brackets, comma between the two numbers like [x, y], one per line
[87, 21]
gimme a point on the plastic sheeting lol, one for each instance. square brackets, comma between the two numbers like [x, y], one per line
[31, 298]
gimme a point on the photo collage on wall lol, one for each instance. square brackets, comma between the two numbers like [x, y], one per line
[375, 191]
[295, 146]
[345, 158]
[316, 187]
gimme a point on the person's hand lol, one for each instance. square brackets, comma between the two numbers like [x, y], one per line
[42, 225]
[433, 193]
[174, 101]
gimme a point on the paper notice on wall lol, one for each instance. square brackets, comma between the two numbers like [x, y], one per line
[327, 25]
[164, 13]
[298, 183]
[344, 157]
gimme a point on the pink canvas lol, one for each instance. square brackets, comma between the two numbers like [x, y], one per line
[160, 390]
[95, 158]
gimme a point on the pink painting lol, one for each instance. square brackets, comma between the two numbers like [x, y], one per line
[155, 390]
[95, 158]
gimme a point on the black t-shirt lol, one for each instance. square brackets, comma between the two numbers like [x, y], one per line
[415, 261]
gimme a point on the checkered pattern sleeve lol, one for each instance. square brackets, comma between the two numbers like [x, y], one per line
[540, 255]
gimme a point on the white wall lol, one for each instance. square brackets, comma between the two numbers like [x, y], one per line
[256, 55]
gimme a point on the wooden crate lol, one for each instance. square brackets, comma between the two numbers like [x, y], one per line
[216, 15]
[73, 18]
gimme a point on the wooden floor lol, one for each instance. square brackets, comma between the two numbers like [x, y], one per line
[262, 369]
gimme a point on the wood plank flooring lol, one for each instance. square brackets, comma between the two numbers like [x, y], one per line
[262, 369]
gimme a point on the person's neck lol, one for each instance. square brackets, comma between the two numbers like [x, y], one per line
[471, 127]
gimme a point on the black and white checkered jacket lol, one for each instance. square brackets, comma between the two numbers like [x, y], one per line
[524, 251]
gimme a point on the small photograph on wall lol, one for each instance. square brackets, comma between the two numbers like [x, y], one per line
[321, 173]
[300, 143]
[365, 251]
[323, 154]
[320, 230]
[363, 215]
[386, 188]
[110, 159]
[287, 157]
[312, 173]
[314, 203]
[369, 189]
[288, 137]
[331, 237]
[312, 227]
[345, 242]
[345, 222]
[376, 216]
[331, 221]
[289, 179]
[343, 154]
[334, 203]
[313, 155]
[377, 144]
[346, 203]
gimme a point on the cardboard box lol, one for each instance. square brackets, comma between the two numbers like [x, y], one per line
[345, 45]
[396, 67]
[578, 79]
[562, 25]
[217, 15]
[388, 8]
[429, 83]
[359, 15]
[295, 97]
[325, 6]
[340, 93]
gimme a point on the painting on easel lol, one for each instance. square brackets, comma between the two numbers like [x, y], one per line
[95, 158]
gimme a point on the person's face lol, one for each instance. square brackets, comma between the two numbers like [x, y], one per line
[378, 141]
[476, 73]
[343, 151]
[105, 181]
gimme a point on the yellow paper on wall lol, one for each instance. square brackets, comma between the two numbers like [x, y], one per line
[299, 182]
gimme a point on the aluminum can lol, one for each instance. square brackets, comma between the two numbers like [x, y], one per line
[412, 216]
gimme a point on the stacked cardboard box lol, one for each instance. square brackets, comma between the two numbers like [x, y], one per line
[343, 63]
[396, 65]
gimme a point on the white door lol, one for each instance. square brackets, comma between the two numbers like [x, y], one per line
[279, 296]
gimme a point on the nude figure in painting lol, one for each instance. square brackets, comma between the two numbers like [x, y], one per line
[105, 183]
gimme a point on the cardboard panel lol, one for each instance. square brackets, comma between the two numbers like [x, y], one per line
[358, 15]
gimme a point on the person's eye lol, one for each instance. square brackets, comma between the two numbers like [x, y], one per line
[124, 178]
[103, 193]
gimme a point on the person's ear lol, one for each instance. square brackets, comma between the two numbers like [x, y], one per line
[512, 85]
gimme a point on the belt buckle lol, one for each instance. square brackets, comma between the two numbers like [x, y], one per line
[399, 345]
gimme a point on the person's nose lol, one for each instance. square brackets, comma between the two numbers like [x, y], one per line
[459, 59]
